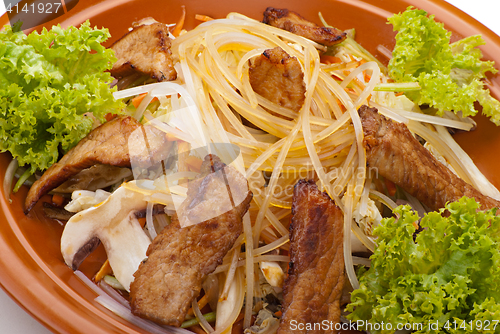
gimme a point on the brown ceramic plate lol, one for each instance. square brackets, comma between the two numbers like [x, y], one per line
[32, 270]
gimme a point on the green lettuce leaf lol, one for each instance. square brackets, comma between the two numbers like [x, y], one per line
[450, 75]
[450, 273]
[48, 82]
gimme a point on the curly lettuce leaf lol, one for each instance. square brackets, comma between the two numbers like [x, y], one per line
[49, 81]
[449, 273]
[450, 75]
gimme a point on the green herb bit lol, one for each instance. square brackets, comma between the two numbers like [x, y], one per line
[210, 317]
[397, 87]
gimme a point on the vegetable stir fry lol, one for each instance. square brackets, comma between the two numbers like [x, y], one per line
[256, 166]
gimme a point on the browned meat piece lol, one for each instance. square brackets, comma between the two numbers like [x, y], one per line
[290, 21]
[313, 288]
[399, 157]
[279, 78]
[107, 144]
[180, 258]
[93, 178]
[145, 49]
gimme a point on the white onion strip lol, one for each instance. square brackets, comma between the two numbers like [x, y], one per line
[203, 322]
[229, 309]
[89, 283]
[249, 270]
[9, 178]
[387, 201]
[440, 145]
[149, 221]
[349, 265]
[479, 181]
[230, 274]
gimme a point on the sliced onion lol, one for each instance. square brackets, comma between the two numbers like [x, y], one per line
[203, 322]
[361, 260]
[89, 283]
[9, 178]
[149, 221]
[349, 265]
[387, 201]
[229, 309]
[113, 293]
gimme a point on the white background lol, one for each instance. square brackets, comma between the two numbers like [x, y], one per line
[14, 320]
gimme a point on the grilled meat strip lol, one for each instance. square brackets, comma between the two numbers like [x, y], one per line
[313, 288]
[279, 78]
[107, 144]
[180, 258]
[145, 49]
[399, 157]
[291, 21]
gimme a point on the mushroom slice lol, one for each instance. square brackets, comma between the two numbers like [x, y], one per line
[115, 224]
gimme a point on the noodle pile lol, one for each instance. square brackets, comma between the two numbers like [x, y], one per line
[213, 103]
[324, 141]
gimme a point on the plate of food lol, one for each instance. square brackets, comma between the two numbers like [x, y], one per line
[179, 167]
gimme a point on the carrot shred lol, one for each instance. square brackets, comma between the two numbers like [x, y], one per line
[193, 163]
[330, 59]
[58, 200]
[391, 187]
[105, 270]
[367, 77]
[359, 83]
[341, 106]
[180, 24]
[201, 304]
[109, 116]
[136, 101]
[142, 221]
[203, 18]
